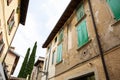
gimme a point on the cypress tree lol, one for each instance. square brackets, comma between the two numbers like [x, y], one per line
[31, 60]
[23, 67]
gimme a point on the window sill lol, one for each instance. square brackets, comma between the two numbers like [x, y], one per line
[84, 44]
[59, 62]
[115, 23]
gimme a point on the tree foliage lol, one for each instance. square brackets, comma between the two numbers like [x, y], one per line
[28, 63]
[23, 68]
[31, 60]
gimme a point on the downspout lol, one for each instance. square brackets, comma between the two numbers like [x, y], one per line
[98, 42]
[3, 7]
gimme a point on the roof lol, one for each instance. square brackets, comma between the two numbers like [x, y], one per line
[66, 14]
[40, 59]
[23, 11]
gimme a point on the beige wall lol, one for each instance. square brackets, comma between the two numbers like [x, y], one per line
[4, 16]
[10, 59]
[77, 62]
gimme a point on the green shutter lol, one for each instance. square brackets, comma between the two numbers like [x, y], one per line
[82, 33]
[59, 53]
[61, 36]
[80, 12]
[115, 8]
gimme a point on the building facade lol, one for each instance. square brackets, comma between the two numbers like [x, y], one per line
[37, 70]
[85, 42]
[11, 61]
[12, 13]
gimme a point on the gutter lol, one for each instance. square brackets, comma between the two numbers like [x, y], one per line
[98, 42]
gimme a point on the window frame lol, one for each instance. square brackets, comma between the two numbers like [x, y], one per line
[1, 44]
[11, 21]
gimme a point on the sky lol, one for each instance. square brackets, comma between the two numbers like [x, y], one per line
[42, 16]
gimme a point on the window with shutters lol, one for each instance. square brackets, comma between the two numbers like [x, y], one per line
[59, 53]
[60, 37]
[115, 8]
[8, 2]
[82, 33]
[11, 21]
[80, 11]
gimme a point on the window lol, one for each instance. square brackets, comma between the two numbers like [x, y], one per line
[8, 2]
[1, 43]
[69, 36]
[115, 8]
[53, 57]
[85, 77]
[55, 39]
[80, 11]
[61, 36]
[82, 33]
[59, 53]
[11, 21]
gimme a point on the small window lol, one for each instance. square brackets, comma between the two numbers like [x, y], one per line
[90, 76]
[59, 53]
[11, 21]
[115, 8]
[55, 39]
[53, 57]
[80, 11]
[8, 2]
[1, 43]
[69, 34]
[82, 33]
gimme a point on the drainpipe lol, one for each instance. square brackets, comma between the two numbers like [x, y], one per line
[98, 42]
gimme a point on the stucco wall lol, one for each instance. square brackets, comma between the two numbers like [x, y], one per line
[4, 16]
[10, 59]
[79, 61]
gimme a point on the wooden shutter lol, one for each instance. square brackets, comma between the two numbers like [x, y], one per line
[59, 53]
[61, 36]
[82, 33]
[115, 8]
[80, 12]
